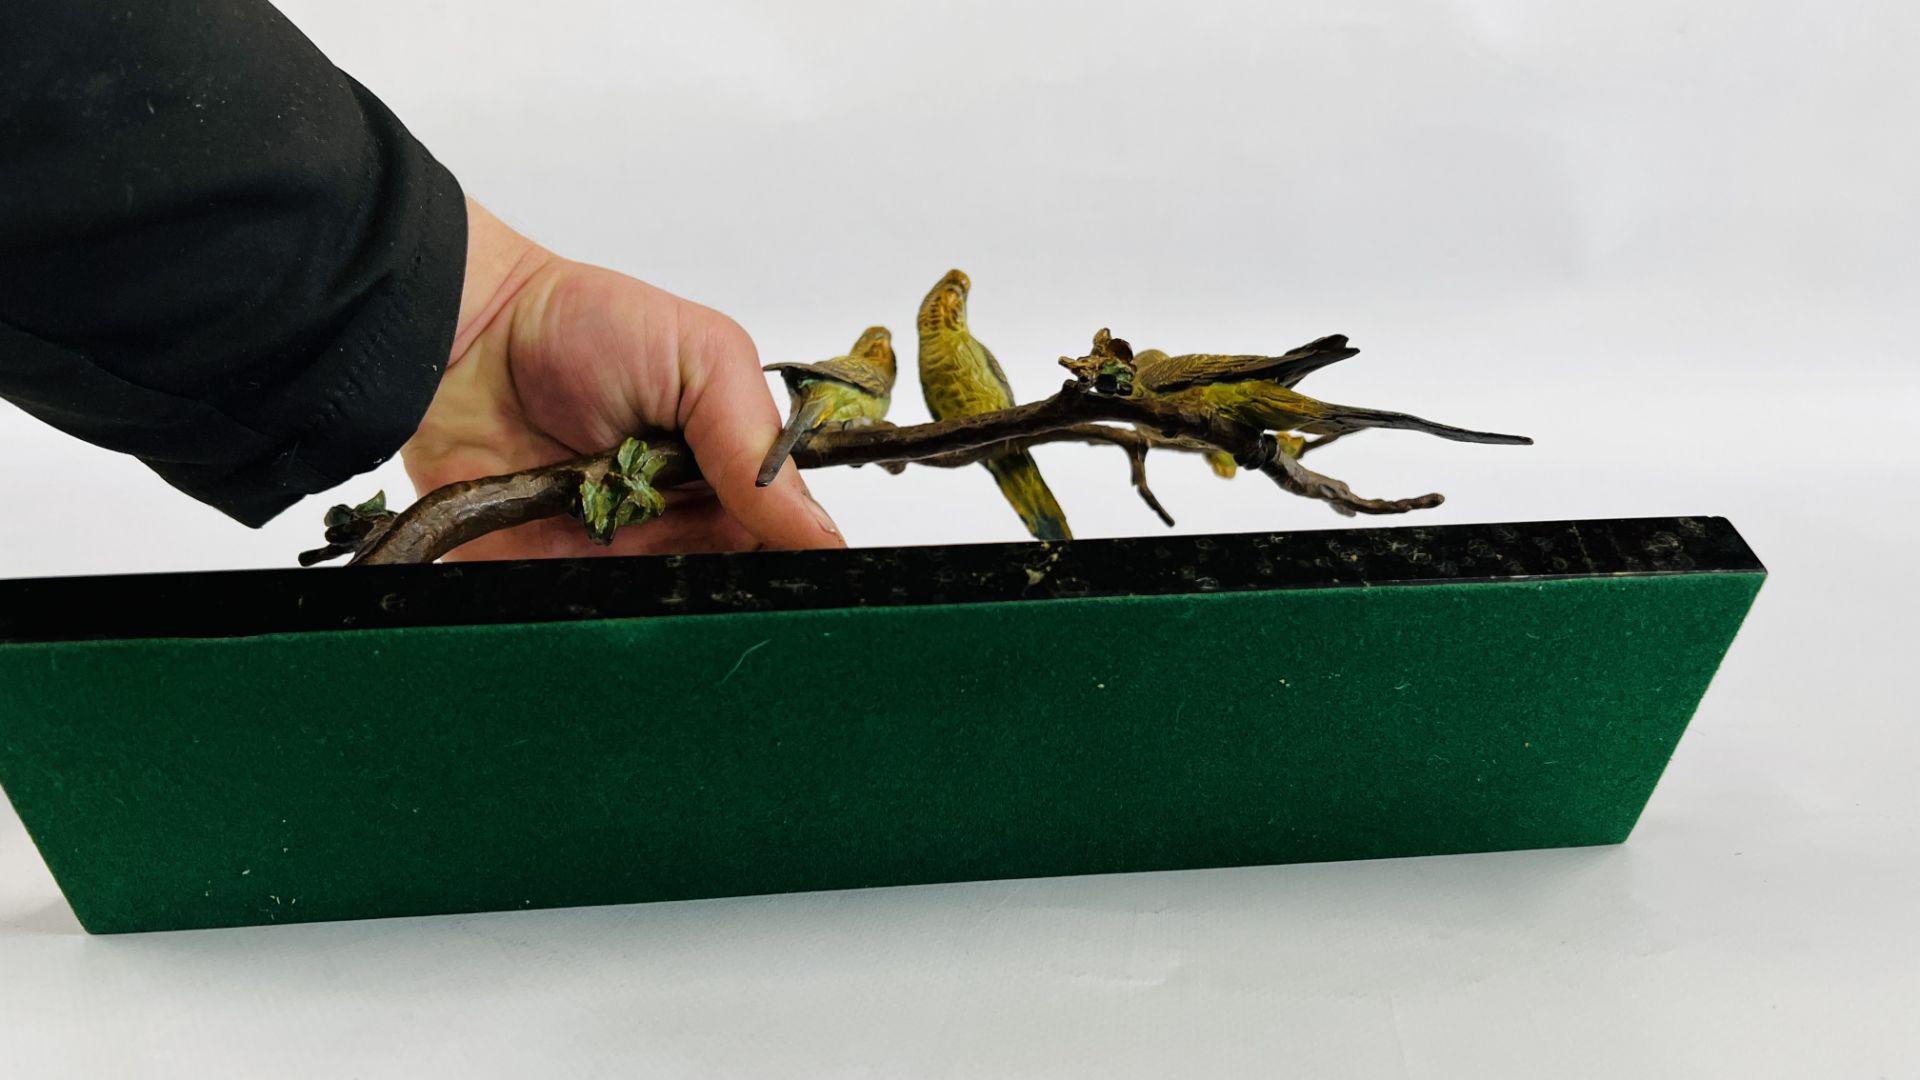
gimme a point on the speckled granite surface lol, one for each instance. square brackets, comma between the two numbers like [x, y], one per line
[241, 603]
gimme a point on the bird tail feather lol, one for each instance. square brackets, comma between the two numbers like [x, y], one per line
[1339, 419]
[1019, 478]
[806, 415]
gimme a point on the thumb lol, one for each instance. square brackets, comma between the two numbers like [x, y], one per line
[730, 422]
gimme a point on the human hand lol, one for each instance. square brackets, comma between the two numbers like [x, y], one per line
[555, 358]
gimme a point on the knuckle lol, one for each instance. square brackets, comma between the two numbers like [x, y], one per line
[727, 338]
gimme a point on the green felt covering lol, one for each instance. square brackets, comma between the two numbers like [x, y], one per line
[282, 778]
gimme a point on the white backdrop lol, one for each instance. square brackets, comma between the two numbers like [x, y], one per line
[1675, 241]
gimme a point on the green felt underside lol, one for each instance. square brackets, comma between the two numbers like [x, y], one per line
[200, 783]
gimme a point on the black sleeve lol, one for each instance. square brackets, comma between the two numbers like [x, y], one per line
[218, 253]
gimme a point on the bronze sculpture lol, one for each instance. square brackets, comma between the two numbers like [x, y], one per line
[1240, 411]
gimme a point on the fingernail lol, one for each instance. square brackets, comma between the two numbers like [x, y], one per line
[820, 513]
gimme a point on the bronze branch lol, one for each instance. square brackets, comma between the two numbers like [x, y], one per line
[447, 517]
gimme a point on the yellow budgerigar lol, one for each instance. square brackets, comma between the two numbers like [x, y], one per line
[852, 391]
[1258, 392]
[961, 378]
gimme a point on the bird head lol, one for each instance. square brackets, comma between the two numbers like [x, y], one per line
[945, 308]
[876, 347]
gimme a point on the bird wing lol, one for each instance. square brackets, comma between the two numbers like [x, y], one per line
[858, 374]
[1165, 374]
[994, 369]
[844, 369]
[1155, 370]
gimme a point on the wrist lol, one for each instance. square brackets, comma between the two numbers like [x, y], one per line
[499, 262]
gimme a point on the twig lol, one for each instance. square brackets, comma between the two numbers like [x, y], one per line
[1137, 459]
[1134, 441]
[988, 434]
[449, 516]
[1286, 470]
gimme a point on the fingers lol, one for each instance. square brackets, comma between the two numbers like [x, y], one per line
[729, 421]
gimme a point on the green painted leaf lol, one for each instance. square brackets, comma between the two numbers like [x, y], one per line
[629, 452]
[653, 502]
[596, 507]
[625, 495]
[650, 465]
